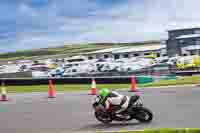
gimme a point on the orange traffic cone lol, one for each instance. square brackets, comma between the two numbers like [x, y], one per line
[133, 85]
[93, 90]
[3, 92]
[51, 92]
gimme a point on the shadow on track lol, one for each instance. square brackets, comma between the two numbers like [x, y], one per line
[111, 126]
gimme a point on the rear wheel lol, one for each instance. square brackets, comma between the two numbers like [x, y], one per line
[144, 115]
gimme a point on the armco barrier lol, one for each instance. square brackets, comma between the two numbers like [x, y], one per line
[80, 80]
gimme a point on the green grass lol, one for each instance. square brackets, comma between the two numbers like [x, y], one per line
[164, 130]
[66, 50]
[86, 87]
[178, 81]
[68, 87]
[63, 51]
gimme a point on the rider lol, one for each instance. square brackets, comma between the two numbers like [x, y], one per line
[114, 102]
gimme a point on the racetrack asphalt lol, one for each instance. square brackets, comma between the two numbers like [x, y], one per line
[72, 112]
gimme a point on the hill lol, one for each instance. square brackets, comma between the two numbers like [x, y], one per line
[62, 51]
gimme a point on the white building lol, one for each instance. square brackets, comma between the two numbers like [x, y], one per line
[129, 51]
[102, 54]
[140, 51]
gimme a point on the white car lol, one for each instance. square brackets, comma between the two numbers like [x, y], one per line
[40, 74]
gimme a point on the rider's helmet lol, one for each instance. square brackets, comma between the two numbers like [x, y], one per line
[103, 93]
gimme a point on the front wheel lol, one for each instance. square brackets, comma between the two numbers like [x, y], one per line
[104, 118]
[144, 115]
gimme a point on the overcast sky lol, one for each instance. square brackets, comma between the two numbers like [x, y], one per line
[27, 24]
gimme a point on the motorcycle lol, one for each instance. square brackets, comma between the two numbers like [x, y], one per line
[135, 110]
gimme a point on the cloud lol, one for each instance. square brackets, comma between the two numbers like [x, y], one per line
[144, 21]
[43, 23]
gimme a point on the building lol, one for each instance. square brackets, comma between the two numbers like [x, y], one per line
[129, 51]
[183, 42]
[140, 51]
[103, 54]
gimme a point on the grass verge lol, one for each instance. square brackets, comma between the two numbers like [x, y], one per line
[179, 81]
[164, 130]
[86, 87]
[61, 88]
